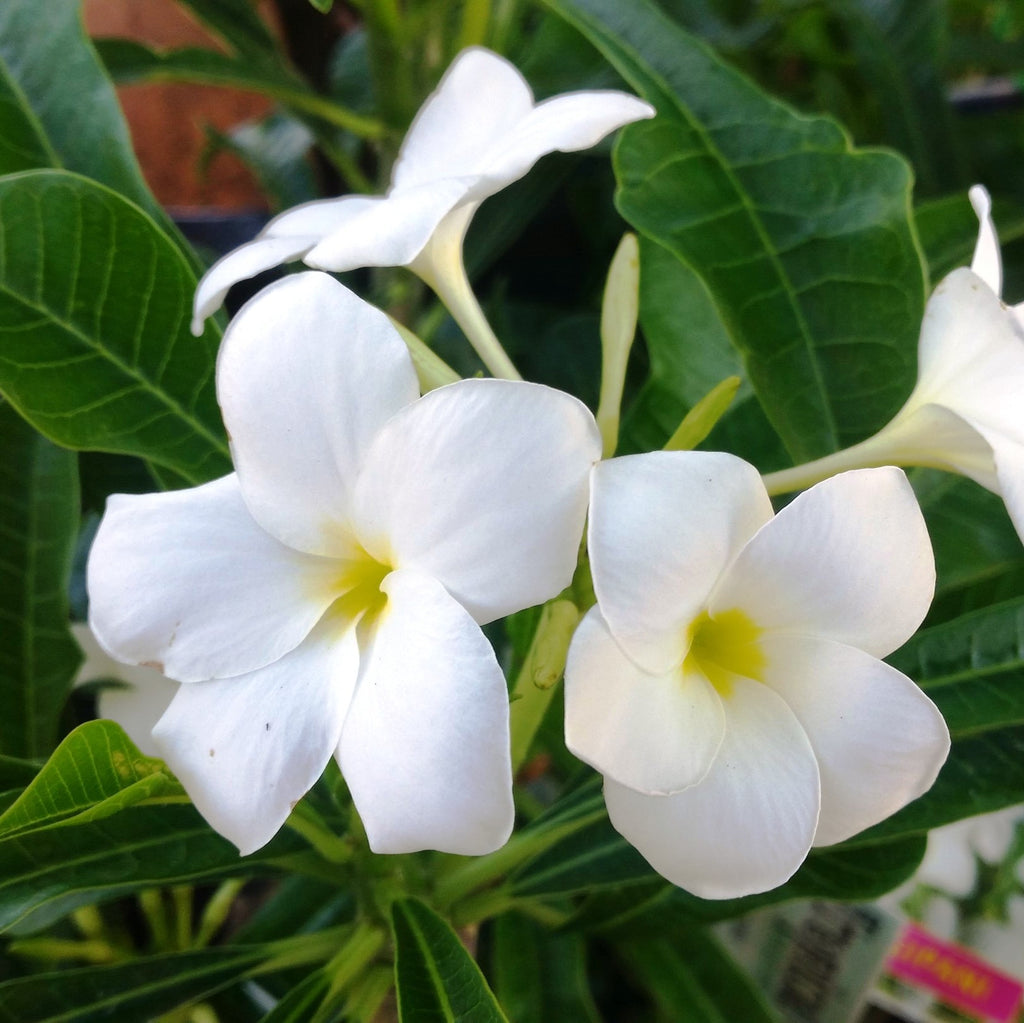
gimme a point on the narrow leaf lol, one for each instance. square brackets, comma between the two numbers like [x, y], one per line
[95, 349]
[137, 990]
[436, 978]
[690, 976]
[96, 766]
[38, 526]
[47, 872]
[540, 976]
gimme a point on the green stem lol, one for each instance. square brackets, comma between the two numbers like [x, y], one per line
[305, 821]
[303, 950]
[55, 949]
[469, 877]
[216, 911]
[441, 266]
[368, 994]
[536, 683]
[182, 897]
[874, 451]
[151, 901]
[352, 958]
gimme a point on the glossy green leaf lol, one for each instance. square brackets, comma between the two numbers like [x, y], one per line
[130, 992]
[95, 349]
[96, 770]
[71, 119]
[972, 667]
[540, 976]
[436, 978]
[47, 872]
[805, 244]
[38, 526]
[689, 975]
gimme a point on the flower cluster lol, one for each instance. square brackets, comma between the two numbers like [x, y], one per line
[326, 599]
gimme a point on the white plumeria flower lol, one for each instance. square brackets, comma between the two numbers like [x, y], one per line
[728, 684]
[965, 414]
[479, 131]
[137, 703]
[327, 597]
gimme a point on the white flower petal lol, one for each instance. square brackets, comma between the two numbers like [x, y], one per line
[479, 101]
[936, 436]
[247, 749]
[1009, 459]
[483, 485]
[246, 261]
[849, 560]
[654, 733]
[987, 262]
[290, 235]
[189, 584]
[971, 354]
[565, 123]
[749, 824]
[138, 703]
[879, 741]
[663, 526]
[391, 231]
[307, 375]
[425, 749]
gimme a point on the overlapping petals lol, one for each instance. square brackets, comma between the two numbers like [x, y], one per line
[478, 132]
[324, 599]
[777, 727]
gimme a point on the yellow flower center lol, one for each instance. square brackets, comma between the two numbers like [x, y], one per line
[724, 646]
[358, 585]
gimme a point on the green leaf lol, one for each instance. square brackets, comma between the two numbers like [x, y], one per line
[301, 1002]
[690, 976]
[540, 976]
[47, 872]
[436, 978]
[899, 49]
[138, 990]
[129, 61]
[237, 23]
[95, 349]
[38, 526]
[96, 769]
[805, 244]
[277, 151]
[972, 667]
[71, 119]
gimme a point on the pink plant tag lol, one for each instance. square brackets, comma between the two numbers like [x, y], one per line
[955, 975]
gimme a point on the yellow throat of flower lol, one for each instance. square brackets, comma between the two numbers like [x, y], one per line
[360, 596]
[724, 646]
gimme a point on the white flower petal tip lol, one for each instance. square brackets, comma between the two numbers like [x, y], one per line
[476, 133]
[334, 584]
[987, 262]
[776, 727]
